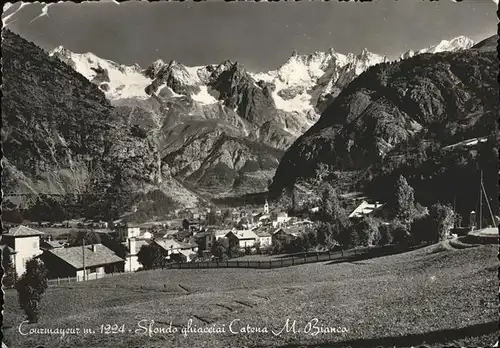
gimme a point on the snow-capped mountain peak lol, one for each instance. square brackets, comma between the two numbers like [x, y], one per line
[300, 85]
[453, 45]
[458, 43]
[116, 80]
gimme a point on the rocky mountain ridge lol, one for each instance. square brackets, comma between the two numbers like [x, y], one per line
[292, 96]
[87, 124]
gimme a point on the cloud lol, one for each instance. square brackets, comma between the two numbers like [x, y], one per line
[45, 12]
[8, 6]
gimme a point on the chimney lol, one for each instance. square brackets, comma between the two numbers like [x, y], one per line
[131, 246]
[94, 248]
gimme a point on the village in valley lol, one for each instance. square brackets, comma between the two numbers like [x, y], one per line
[77, 250]
[85, 250]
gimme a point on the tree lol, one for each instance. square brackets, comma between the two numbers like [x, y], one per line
[185, 224]
[258, 248]
[347, 238]
[212, 218]
[150, 256]
[30, 288]
[421, 230]
[277, 247]
[291, 193]
[323, 232]
[220, 248]
[336, 216]
[400, 233]
[312, 238]
[248, 250]
[441, 219]
[404, 201]
[10, 276]
[226, 215]
[367, 230]
[385, 231]
[332, 244]
[331, 209]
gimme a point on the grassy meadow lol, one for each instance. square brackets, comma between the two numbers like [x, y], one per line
[435, 295]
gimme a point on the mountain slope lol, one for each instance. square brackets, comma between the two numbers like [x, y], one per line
[62, 137]
[392, 109]
[53, 119]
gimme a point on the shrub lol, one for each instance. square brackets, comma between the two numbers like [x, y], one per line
[30, 288]
[150, 257]
[10, 276]
[367, 230]
[441, 219]
[433, 226]
[219, 249]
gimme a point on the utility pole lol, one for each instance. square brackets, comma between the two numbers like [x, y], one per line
[454, 209]
[481, 201]
[83, 255]
[488, 203]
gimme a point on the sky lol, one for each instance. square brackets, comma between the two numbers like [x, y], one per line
[260, 35]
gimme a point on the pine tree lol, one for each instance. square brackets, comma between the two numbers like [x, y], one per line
[405, 201]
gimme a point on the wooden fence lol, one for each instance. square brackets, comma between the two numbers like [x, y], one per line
[262, 264]
[91, 276]
[300, 259]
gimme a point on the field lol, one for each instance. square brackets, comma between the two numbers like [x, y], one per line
[435, 295]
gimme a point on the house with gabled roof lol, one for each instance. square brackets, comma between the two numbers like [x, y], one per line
[177, 251]
[95, 259]
[265, 238]
[25, 244]
[365, 209]
[242, 238]
[205, 240]
[284, 234]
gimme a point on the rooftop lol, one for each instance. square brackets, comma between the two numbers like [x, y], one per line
[262, 233]
[245, 234]
[53, 243]
[365, 208]
[23, 231]
[169, 244]
[74, 256]
[294, 230]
